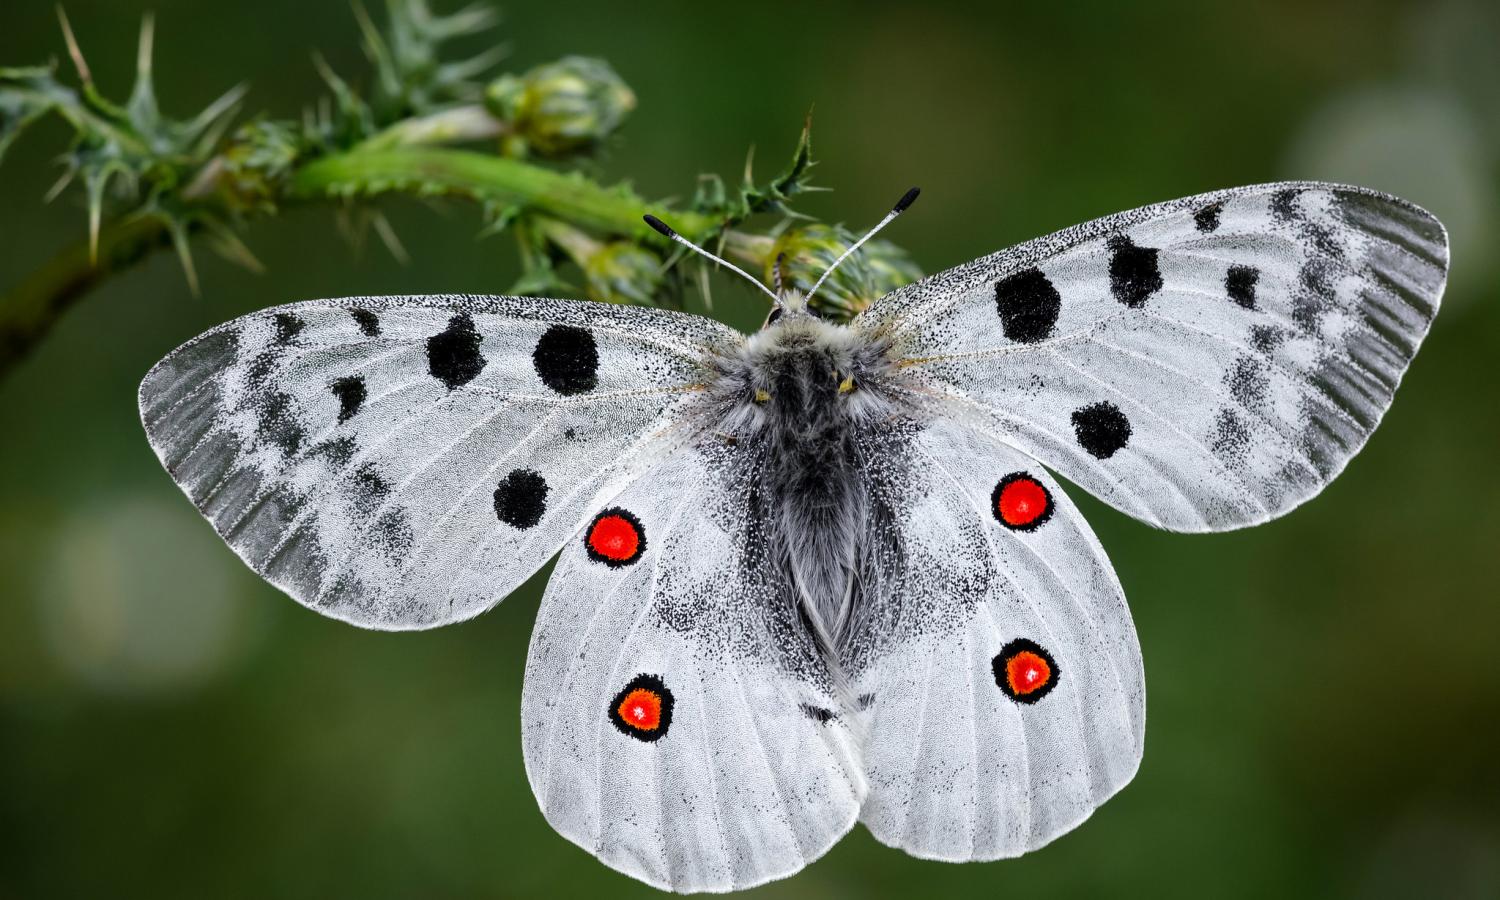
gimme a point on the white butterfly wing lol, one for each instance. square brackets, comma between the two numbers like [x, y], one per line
[404, 462]
[1202, 364]
[738, 771]
[1000, 671]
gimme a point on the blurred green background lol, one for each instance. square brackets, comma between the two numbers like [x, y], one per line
[1324, 690]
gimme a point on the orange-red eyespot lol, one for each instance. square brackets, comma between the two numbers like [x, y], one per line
[1021, 503]
[615, 538]
[643, 708]
[1024, 671]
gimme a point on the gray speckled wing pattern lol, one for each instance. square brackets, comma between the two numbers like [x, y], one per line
[404, 462]
[983, 563]
[1202, 364]
[749, 774]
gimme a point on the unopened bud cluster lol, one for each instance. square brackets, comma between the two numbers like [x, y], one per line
[561, 108]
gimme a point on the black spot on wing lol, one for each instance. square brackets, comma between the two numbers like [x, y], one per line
[392, 534]
[1207, 218]
[1133, 271]
[818, 714]
[1239, 284]
[258, 373]
[1266, 338]
[1315, 294]
[453, 355]
[1248, 381]
[1028, 306]
[1101, 429]
[351, 393]
[368, 489]
[1321, 238]
[368, 322]
[1230, 438]
[276, 423]
[339, 451]
[1284, 204]
[287, 327]
[567, 359]
[521, 498]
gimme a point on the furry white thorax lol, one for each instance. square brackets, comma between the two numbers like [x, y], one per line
[796, 395]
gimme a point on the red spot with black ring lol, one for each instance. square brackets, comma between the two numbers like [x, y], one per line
[642, 709]
[1021, 502]
[1024, 671]
[615, 538]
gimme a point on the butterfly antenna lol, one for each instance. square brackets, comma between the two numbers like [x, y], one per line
[665, 230]
[907, 199]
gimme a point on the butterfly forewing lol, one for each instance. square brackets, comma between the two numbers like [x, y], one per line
[404, 462]
[1201, 364]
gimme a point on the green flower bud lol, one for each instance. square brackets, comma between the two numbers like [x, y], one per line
[623, 272]
[560, 108]
[254, 164]
[878, 268]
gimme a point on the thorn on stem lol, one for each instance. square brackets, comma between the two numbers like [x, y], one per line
[74, 52]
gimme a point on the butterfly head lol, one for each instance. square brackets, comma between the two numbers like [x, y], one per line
[791, 304]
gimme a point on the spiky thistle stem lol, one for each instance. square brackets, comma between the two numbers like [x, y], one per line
[426, 127]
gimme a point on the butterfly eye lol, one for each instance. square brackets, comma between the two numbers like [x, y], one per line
[774, 315]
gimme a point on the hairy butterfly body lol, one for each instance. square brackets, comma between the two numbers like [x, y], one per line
[818, 575]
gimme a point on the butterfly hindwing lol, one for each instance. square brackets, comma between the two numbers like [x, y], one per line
[1002, 683]
[677, 721]
[1202, 364]
[403, 462]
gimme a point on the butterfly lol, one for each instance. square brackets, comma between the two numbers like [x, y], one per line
[820, 574]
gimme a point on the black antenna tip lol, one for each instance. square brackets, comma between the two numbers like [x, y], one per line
[661, 227]
[907, 199]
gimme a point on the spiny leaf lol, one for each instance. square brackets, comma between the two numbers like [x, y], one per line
[144, 113]
[206, 128]
[27, 94]
[752, 199]
[228, 245]
[353, 120]
[411, 77]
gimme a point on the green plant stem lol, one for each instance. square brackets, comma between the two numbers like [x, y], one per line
[30, 309]
[487, 178]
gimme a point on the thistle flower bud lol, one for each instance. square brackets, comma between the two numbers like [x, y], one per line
[560, 108]
[623, 272]
[613, 271]
[878, 268]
